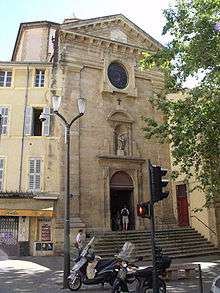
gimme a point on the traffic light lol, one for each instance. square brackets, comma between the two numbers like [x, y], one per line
[143, 210]
[158, 183]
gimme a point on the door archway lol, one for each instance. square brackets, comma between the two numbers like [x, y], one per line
[121, 194]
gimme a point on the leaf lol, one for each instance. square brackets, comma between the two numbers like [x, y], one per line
[192, 119]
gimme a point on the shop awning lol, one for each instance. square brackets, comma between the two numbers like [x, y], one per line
[47, 212]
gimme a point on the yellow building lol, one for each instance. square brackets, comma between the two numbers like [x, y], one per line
[28, 147]
[188, 204]
[28, 153]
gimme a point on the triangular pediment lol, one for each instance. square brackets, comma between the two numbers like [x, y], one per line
[116, 28]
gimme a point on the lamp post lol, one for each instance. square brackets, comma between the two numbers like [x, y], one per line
[56, 101]
[0, 124]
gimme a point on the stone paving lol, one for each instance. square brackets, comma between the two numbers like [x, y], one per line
[44, 275]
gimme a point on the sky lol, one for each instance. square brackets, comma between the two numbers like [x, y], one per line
[147, 14]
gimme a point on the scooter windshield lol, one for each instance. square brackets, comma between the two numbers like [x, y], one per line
[127, 251]
[87, 247]
[79, 264]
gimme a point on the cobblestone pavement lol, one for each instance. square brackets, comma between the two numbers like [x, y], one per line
[44, 275]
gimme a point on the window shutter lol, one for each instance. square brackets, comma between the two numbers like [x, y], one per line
[34, 174]
[4, 122]
[1, 173]
[46, 123]
[31, 182]
[37, 182]
[31, 175]
[37, 174]
[28, 120]
[1, 121]
[37, 166]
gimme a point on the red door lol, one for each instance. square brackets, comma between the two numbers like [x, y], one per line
[182, 205]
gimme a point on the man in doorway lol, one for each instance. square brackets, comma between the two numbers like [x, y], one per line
[125, 218]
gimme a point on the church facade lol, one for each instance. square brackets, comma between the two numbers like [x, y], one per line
[98, 60]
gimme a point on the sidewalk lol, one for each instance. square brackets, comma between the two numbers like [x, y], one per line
[44, 275]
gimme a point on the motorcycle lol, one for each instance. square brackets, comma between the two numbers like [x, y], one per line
[129, 274]
[90, 269]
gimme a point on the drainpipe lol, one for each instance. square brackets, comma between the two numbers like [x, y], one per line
[79, 166]
[22, 140]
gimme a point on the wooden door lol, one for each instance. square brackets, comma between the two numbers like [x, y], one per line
[182, 205]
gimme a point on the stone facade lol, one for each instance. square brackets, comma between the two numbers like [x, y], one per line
[107, 142]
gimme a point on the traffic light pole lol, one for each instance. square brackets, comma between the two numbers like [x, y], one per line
[153, 245]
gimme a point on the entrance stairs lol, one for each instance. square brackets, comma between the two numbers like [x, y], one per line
[176, 242]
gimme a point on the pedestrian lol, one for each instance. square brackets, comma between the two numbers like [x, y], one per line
[80, 240]
[125, 218]
[118, 220]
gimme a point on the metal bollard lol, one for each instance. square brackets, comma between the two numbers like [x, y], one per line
[200, 279]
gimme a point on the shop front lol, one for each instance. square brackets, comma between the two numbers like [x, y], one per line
[27, 231]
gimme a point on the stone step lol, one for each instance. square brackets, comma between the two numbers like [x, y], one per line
[141, 241]
[178, 242]
[104, 241]
[140, 232]
[173, 254]
[165, 248]
[167, 235]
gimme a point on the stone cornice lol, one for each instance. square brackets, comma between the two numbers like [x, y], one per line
[27, 63]
[102, 42]
[127, 24]
[122, 158]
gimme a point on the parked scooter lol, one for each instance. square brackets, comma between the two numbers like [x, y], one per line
[130, 274]
[90, 269]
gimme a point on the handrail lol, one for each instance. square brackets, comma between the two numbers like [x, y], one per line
[204, 224]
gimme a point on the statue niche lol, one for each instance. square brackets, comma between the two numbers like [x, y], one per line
[121, 123]
[121, 141]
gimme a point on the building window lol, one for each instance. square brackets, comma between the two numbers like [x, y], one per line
[33, 125]
[4, 120]
[34, 174]
[1, 174]
[117, 75]
[39, 78]
[37, 124]
[5, 78]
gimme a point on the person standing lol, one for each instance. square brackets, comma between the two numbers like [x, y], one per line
[125, 218]
[80, 240]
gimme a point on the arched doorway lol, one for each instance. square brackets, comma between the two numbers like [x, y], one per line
[121, 194]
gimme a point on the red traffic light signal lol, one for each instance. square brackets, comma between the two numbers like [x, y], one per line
[143, 209]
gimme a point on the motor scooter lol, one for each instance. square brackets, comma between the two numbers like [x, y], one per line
[142, 277]
[90, 269]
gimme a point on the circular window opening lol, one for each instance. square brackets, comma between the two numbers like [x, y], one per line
[117, 75]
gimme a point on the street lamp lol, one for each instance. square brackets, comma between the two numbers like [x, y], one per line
[56, 101]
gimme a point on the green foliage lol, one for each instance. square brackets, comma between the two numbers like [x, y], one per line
[191, 123]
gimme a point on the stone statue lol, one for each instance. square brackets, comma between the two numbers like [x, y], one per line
[121, 143]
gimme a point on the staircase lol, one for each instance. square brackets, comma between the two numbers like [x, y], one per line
[177, 243]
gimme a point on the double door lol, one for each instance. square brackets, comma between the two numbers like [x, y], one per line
[182, 205]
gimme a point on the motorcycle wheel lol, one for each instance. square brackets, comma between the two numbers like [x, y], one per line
[75, 285]
[162, 287]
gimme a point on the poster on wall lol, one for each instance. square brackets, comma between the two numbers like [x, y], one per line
[42, 246]
[45, 232]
